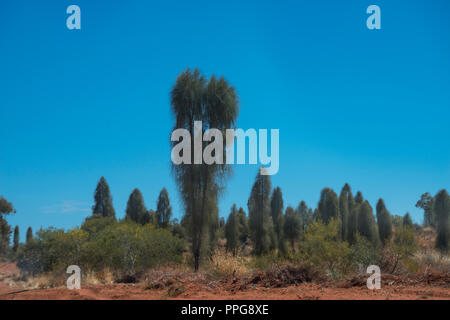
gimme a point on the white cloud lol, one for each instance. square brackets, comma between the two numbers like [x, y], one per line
[67, 206]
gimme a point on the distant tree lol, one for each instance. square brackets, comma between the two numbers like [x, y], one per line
[359, 197]
[384, 222]
[221, 222]
[397, 220]
[136, 210]
[306, 215]
[353, 206]
[177, 229]
[260, 220]
[276, 211]
[232, 231]
[164, 210]
[29, 235]
[345, 207]
[441, 209]
[215, 103]
[366, 223]
[243, 225]
[5, 235]
[407, 221]
[292, 226]
[6, 208]
[426, 203]
[102, 200]
[328, 205]
[316, 215]
[16, 239]
[404, 245]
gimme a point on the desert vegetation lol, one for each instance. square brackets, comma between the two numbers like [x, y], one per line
[338, 238]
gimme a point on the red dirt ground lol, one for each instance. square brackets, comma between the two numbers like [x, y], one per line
[427, 288]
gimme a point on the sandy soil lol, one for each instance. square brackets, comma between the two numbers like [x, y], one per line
[229, 289]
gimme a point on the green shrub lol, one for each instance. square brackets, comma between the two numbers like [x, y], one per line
[323, 249]
[124, 246]
[403, 248]
[363, 253]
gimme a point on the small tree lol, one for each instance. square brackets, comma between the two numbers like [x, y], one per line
[404, 245]
[6, 208]
[292, 226]
[384, 222]
[102, 200]
[328, 206]
[442, 212]
[29, 234]
[407, 221]
[243, 225]
[366, 223]
[135, 207]
[163, 210]
[260, 220]
[276, 210]
[306, 215]
[16, 239]
[232, 231]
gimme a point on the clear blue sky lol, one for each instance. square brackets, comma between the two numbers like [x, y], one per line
[370, 108]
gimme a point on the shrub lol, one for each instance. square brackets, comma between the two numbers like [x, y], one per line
[124, 246]
[363, 253]
[403, 247]
[323, 249]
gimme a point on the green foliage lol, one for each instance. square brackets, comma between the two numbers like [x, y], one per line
[345, 205]
[363, 253]
[102, 200]
[260, 220]
[359, 199]
[407, 221]
[29, 236]
[292, 226]
[6, 208]
[328, 205]
[16, 239]
[441, 210]
[384, 222]
[124, 246]
[404, 245]
[276, 211]
[367, 226]
[215, 103]
[94, 224]
[267, 260]
[306, 215]
[232, 231]
[397, 221]
[243, 225]
[5, 234]
[323, 249]
[136, 210]
[164, 210]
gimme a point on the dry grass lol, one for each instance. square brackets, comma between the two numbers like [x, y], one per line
[433, 259]
[98, 277]
[225, 264]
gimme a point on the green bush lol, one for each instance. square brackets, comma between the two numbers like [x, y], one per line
[323, 249]
[363, 253]
[124, 246]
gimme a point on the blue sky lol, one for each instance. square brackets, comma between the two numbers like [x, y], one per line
[367, 107]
